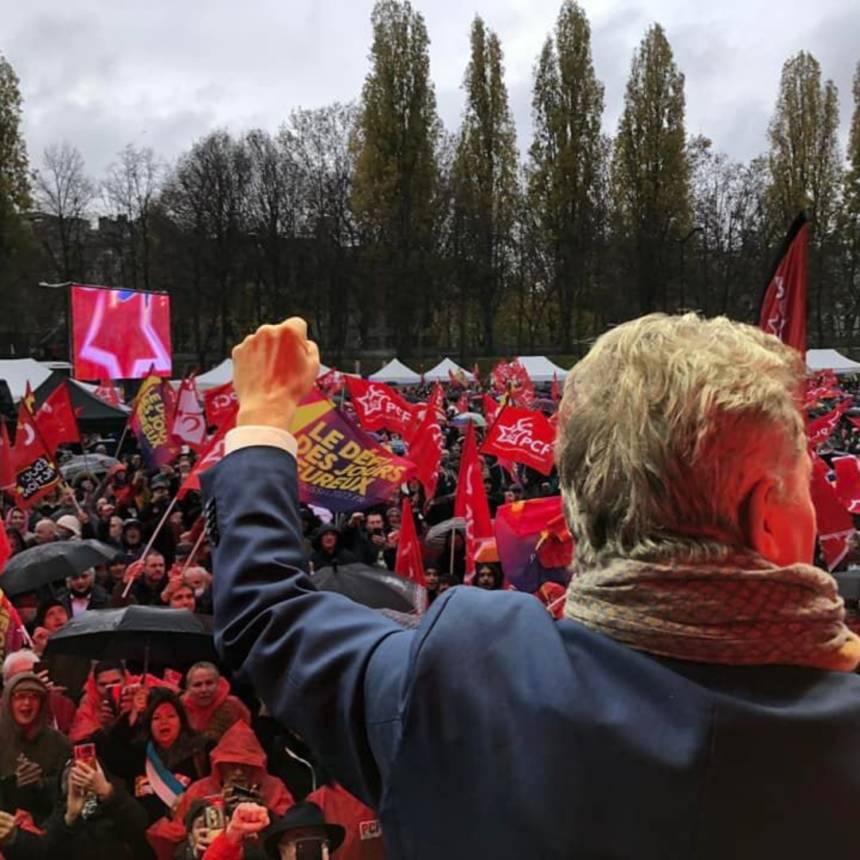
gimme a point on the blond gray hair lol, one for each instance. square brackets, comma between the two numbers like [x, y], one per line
[664, 428]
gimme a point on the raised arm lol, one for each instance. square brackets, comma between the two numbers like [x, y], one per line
[326, 667]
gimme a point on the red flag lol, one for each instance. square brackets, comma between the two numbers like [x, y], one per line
[512, 379]
[462, 404]
[56, 419]
[189, 422]
[848, 482]
[211, 456]
[822, 428]
[471, 500]
[476, 373]
[330, 382]
[835, 524]
[491, 408]
[380, 407]
[783, 307]
[425, 451]
[36, 474]
[523, 436]
[410, 560]
[219, 403]
[455, 380]
[109, 393]
[555, 388]
[7, 464]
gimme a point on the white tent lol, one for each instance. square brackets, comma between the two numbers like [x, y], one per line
[223, 372]
[17, 372]
[830, 359]
[540, 368]
[396, 373]
[441, 371]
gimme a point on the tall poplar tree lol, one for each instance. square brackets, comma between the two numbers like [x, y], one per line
[565, 162]
[395, 177]
[651, 169]
[485, 181]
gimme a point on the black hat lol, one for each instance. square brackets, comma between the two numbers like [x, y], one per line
[300, 817]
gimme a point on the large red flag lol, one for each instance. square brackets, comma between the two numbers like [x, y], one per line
[56, 419]
[219, 403]
[189, 422]
[7, 465]
[425, 451]
[835, 524]
[212, 454]
[380, 407]
[36, 473]
[523, 436]
[409, 562]
[471, 500]
[783, 307]
[512, 379]
[848, 482]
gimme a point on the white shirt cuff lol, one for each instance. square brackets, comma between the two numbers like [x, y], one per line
[249, 435]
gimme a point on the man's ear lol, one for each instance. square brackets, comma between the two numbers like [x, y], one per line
[760, 518]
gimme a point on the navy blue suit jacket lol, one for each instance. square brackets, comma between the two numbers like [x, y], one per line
[493, 732]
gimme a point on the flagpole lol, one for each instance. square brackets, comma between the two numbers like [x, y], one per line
[149, 545]
[121, 440]
[193, 552]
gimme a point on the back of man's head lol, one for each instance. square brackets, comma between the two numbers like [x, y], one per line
[665, 427]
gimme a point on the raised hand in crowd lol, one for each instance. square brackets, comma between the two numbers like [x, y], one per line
[248, 819]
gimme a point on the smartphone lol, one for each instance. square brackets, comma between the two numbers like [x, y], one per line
[214, 818]
[85, 753]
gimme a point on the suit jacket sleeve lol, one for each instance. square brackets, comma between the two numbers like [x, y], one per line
[326, 667]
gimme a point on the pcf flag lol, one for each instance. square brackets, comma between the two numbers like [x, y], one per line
[219, 403]
[783, 306]
[523, 436]
[340, 467]
[151, 419]
[56, 419]
[380, 407]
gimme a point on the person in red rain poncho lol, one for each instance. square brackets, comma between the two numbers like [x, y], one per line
[12, 634]
[363, 838]
[237, 760]
[210, 707]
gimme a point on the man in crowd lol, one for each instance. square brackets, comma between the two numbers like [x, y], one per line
[83, 593]
[703, 664]
[45, 531]
[152, 581]
[208, 702]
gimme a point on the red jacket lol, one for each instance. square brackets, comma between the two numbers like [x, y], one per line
[363, 839]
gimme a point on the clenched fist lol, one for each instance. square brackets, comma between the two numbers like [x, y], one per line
[273, 370]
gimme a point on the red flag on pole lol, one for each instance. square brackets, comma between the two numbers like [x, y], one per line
[471, 500]
[425, 451]
[211, 456]
[491, 408]
[835, 524]
[219, 403]
[189, 422]
[36, 474]
[822, 428]
[462, 404]
[848, 482]
[380, 407]
[409, 562]
[107, 391]
[523, 436]
[555, 388]
[56, 419]
[783, 306]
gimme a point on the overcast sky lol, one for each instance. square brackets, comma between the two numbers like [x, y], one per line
[163, 73]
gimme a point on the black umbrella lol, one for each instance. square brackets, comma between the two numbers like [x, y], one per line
[369, 586]
[49, 562]
[145, 634]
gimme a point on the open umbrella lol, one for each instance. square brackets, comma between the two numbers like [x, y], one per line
[369, 586]
[88, 464]
[438, 534]
[49, 562]
[465, 417]
[145, 634]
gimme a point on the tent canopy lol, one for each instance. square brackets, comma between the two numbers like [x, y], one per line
[830, 359]
[222, 373]
[94, 415]
[397, 373]
[440, 372]
[540, 368]
[17, 372]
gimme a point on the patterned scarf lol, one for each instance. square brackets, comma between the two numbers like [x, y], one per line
[744, 611]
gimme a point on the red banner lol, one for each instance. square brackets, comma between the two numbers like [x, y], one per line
[219, 403]
[379, 407]
[471, 500]
[783, 308]
[523, 436]
[56, 419]
[120, 334]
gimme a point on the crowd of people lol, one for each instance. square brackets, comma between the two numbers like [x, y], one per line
[104, 759]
